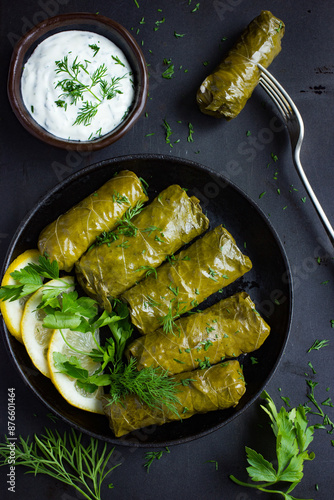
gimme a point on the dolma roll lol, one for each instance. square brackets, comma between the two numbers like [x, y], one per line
[227, 329]
[215, 388]
[211, 263]
[70, 235]
[226, 91]
[109, 269]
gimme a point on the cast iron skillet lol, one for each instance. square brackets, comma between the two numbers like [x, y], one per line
[268, 283]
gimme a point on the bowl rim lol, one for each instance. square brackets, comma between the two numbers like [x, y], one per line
[8, 339]
[14, 79]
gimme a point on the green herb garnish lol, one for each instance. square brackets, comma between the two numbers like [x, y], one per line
[150, 456]
[95, 48]
[64, 457]
[293, 436]
[75, 90]
[318, 344]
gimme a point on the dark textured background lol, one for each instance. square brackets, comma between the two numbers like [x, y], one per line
[29, 168]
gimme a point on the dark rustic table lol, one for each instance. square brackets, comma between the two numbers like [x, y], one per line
[30, 168]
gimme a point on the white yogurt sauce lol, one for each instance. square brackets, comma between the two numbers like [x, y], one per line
[41, 94]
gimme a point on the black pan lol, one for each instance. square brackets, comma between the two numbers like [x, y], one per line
[268, 283]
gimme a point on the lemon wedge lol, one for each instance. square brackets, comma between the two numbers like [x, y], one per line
[35, 336]
[66, 385]
[12, 311]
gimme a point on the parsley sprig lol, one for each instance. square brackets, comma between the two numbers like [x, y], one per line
[293, 436]
[30, 278]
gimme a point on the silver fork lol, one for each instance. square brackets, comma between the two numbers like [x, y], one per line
[295, 126]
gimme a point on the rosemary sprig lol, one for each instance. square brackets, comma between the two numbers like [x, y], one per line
[65, 458]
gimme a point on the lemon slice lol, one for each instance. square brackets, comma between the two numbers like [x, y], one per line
[35, 336]
[12, 311]
[66, 385]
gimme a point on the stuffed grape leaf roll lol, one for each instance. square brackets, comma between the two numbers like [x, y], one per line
[226, 91]
[215, 388]
[227, 329]
[160, 229]
[209, 264]
[70, 235]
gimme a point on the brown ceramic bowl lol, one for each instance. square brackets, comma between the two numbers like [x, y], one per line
[86, 22]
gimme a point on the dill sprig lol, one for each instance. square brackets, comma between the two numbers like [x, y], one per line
[168, 321]
[150, 456]
[74, 89]
[64, 458]
[153, 386]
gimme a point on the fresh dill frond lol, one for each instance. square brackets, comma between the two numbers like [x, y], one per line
[153, 386]
[66, 458]
[86, 113]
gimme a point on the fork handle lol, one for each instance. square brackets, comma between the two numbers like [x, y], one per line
[323, 217]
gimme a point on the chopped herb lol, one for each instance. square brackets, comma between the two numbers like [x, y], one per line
[213, 462]
[328, 402]
[118, 61]
[212, 274]
[203, 363]
[303, 199]
[150, 456]
[318, 344]
[178, 35]
[248, 133]
[191, 131]
[168, 133]
[274, 157]
[312, 368]
[151, 302]
[149, 270]
[262, 194]
[286, 401]
[95, 48]
[169, 72]
[186, 381]
[254, 361]
[196, 7]
[174, 290]
[280, 26]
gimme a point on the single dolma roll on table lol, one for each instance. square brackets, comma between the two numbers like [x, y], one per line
[227, 329]
[226, 91]
[211, 263]
[160, 229]
[70, 235]
[200, 391]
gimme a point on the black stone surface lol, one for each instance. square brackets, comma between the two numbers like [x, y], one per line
[29, 169]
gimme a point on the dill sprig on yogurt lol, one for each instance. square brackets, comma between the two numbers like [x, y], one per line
[74, 89]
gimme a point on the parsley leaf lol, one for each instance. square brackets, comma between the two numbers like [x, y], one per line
[293, 436]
